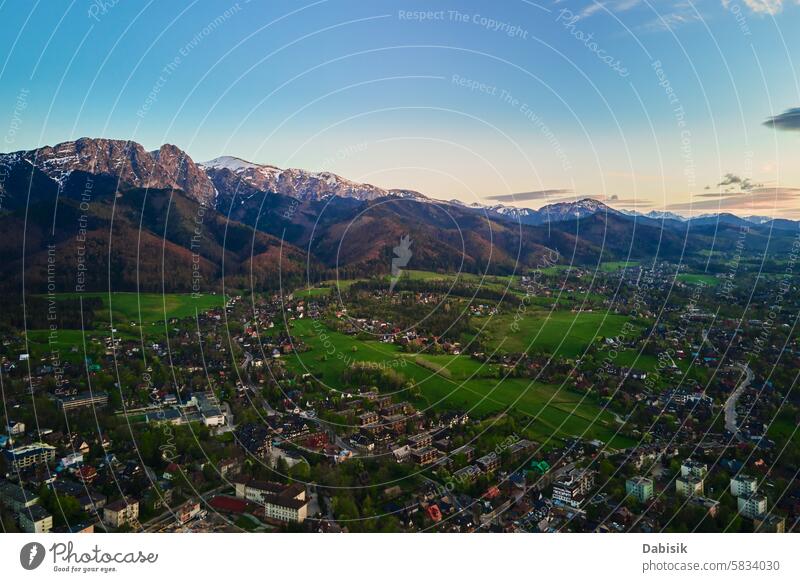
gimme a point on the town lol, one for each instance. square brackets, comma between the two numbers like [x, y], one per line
[631, 398]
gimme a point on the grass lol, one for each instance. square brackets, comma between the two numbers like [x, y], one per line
[39, 346]
[556, 269]
[314, 292]
[149, 308]
[152, 308]
[563, 333]
[611, 266]
[494, 282]
[695, 278]
[783, 429]
[472, 386]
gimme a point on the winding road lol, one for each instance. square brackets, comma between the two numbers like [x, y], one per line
[730, 404]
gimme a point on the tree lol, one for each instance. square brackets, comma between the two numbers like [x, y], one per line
[300, 472]
[282, 469]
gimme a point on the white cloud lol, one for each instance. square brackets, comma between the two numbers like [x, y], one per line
[770, 7]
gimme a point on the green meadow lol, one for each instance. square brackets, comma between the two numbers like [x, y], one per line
[564, 333]
[149, 308]
[462, 383]
[695, 278]
[146, 311]
[611, 266]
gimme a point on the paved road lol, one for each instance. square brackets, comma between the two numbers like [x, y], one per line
[730, 404]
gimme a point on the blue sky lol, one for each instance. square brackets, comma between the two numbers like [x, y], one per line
[644, 104]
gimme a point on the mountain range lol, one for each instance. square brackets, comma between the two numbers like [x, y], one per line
[109, 213]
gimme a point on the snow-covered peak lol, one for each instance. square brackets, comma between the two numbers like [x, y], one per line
[663, 214]
[231, 174]
[233, 164]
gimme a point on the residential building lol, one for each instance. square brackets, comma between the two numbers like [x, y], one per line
[71, 459]
[467, 474]
[423, 439]
[256, 439]
[166, 416]
[752, 505]
[489, 463]
[689, 486]
[368, 418]
[92, 502]
[188, 511]
[29, 455]
[640, 488]
[572, 489]
[692, 468]
[86, 474]
[394, 422]
[83, 527]
[121, 512]
[743, 485]
[425, 455]
[15, 428]
[769, 524]
[710, 505]
[209, 408]
[228, 467]
[35, 519]
[16, 498]
[362, 442]
[83, 400]
[402, 453]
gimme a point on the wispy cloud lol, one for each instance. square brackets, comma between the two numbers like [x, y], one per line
[788, 120]
[776, 201]
[677, 14]
[615, 6]
[617, 202]
[670, 15]
[760, 6]
[556, 195]
[527, 196]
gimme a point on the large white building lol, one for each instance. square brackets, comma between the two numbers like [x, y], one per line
[572, 488]
[743, 485]
[29, 455]
[752, 505]
[640, 488]
[689, 486]
[15, 427]
[692, 468]
[281, 502]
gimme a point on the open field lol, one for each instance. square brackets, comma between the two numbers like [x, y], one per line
[494, 282]
[471, 385]
[149, 308]
[783, 429]
[694, 278]
[611, 266]
[565, 333]
[40, 348]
